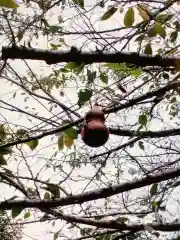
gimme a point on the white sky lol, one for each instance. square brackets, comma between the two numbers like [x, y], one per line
[38, 230]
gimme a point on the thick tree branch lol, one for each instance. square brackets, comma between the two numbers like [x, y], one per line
[91, 195]
[52, 57]
[114, 224]
[145, 134]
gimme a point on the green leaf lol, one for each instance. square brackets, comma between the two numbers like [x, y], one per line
[33, 144]
[122, 220]
[53, 29]
[54, 46]
[141, 145]
[61, 142]
[109, 13]
[148, 49]
[56, 235]
[156, 204]
[156, 234]
[16, 211]
[80, 3]
[73, 66]
[160, 30]
[142, 119]
[91, 76]
[71, 132]
[64, 70]
[129, 18]
[162, 18]
[143, 12]
[136, 73]
[152, 31]
[65, 121]
[165, 76]
[177, 25]
[6, 150]
[27, 214]
[102, 4]
[8, 4]
[54, 190]
[104, 77]
[84, 95]
[2, 160]
[32, 192]
[84, 231]
[22, 132]
[104, 237]
[115, 65]
[98, 217]
[2, 132]
[47, 195]
[173, 36]
[153, 190]
[131, 145]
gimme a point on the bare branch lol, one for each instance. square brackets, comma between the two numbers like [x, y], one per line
[52, 57]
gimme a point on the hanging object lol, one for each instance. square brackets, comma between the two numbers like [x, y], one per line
[95, 133]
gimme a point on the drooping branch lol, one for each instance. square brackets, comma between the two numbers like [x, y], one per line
[92, 195]
[114, 224]
[52, 57]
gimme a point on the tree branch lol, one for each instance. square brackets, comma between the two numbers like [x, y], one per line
[52, 57]
[173, 85]
[114, 224]
[91, 195]
[145, 134]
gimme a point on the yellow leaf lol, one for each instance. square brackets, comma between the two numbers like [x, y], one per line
[168, 2]
[32, 144]
[61, 142]
[143, 12]
[68, 142]
[8, 4]
[177, 64]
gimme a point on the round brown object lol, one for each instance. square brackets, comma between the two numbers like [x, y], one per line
[95, 113]
[95, 133]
